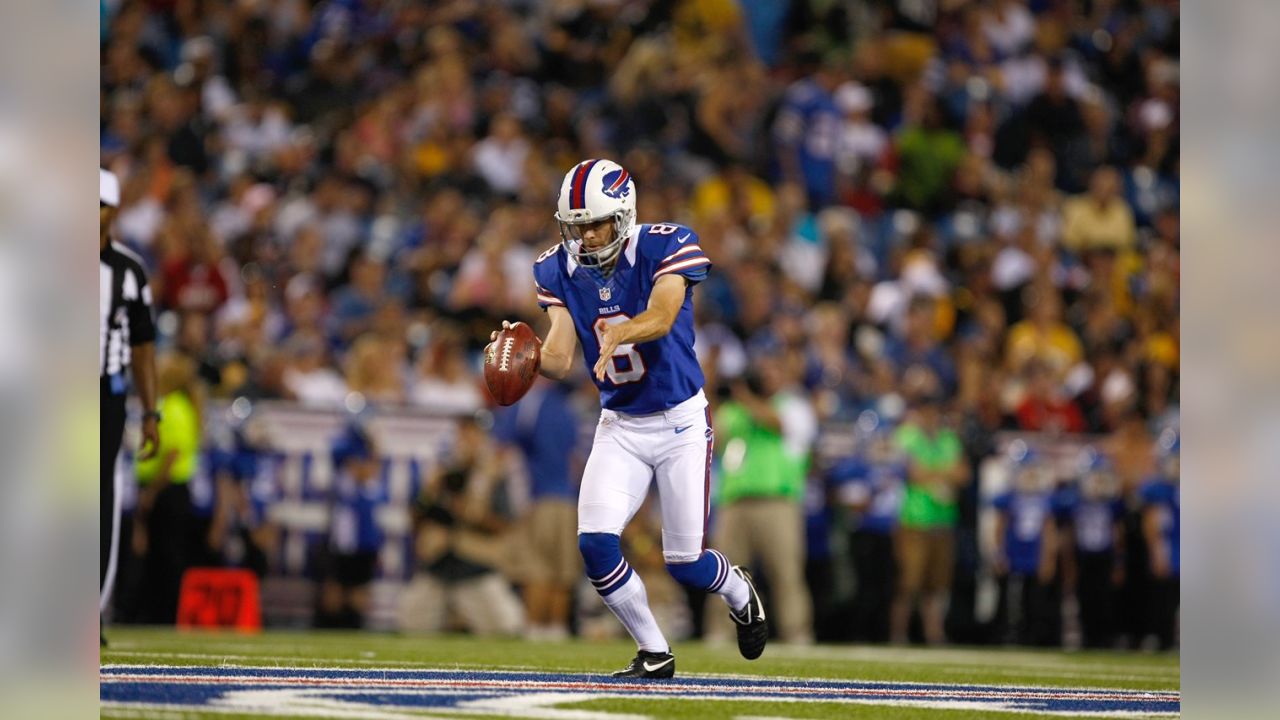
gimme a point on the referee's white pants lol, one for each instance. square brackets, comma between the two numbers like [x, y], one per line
[630, 452]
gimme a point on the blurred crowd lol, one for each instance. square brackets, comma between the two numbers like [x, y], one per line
[931, 221]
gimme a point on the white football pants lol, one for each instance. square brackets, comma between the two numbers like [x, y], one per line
[629, 452]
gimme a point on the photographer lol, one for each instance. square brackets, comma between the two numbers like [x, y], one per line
[460, 523]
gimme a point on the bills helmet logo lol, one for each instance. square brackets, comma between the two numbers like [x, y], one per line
[616, 183]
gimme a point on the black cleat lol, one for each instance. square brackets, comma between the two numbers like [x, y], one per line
[753, 631]
[652, 665]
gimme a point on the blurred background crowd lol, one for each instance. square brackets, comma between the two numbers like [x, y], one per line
[941, 333]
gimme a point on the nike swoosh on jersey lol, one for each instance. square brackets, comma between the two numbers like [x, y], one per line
[686, 237]
[682, 429]
[651, 668]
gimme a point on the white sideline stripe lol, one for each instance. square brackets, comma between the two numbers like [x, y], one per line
[956, 670]
[942, 656]
[405, 665]
[148, 711]
[797, 688]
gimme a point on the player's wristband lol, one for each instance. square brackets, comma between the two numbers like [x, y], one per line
[152, 415]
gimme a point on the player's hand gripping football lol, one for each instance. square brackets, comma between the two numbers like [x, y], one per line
[511, 362]
[493, 336]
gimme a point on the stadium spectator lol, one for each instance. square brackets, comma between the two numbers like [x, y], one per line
[1091, 513]
[355, 303]
[1043, 335]
[1101, 219]
[806, 131]
[376, 368]
[766, 432]
[1045, 407]
[928, 153]
[871, 484]
[500, 158]
[925, 542]
[543, 428]
[917, 355]
[862, 143]
[460, 521]
[1026, 555]
[444, 383]
[308, 378]
[1161, 523]
[354, 536]
[191, 276]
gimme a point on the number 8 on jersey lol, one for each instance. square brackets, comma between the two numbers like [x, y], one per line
[626, 365]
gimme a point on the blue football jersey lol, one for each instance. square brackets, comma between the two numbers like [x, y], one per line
[1166, 497]
[645, 377]
[1025, 514]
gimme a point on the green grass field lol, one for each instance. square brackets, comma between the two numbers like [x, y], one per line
[360, 650]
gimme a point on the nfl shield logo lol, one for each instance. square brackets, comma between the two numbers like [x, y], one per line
[605, 294]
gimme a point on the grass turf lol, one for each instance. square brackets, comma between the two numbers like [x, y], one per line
[156, 646]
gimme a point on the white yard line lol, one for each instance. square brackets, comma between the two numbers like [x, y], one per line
[942, 656]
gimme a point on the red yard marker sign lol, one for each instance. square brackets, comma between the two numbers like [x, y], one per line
[220, 598]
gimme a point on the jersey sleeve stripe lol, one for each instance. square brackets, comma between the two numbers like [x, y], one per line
[550, 299]
[686, 258]
[682, 265]
[682, 251]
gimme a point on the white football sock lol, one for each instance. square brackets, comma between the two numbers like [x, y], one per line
[735, 592]
[631, 604]
[734, 589]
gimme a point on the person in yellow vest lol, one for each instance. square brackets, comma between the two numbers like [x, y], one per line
[163, 522]
[925, 542]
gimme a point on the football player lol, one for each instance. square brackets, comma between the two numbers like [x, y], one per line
[624, 290]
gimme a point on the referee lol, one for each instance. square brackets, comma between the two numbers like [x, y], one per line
[126, 337]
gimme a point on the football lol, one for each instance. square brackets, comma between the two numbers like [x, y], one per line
[511, 363]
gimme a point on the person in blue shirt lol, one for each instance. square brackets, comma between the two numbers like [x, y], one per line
[806, 132]
[206, 495]
[543, 428]
[354, 535]
[871, 483]
[1091, 513]
[1161, 526]
[624, 291]
[918, 347]
[248, 485]
[1026, 553]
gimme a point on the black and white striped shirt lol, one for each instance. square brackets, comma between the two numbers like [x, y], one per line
[124, 308]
